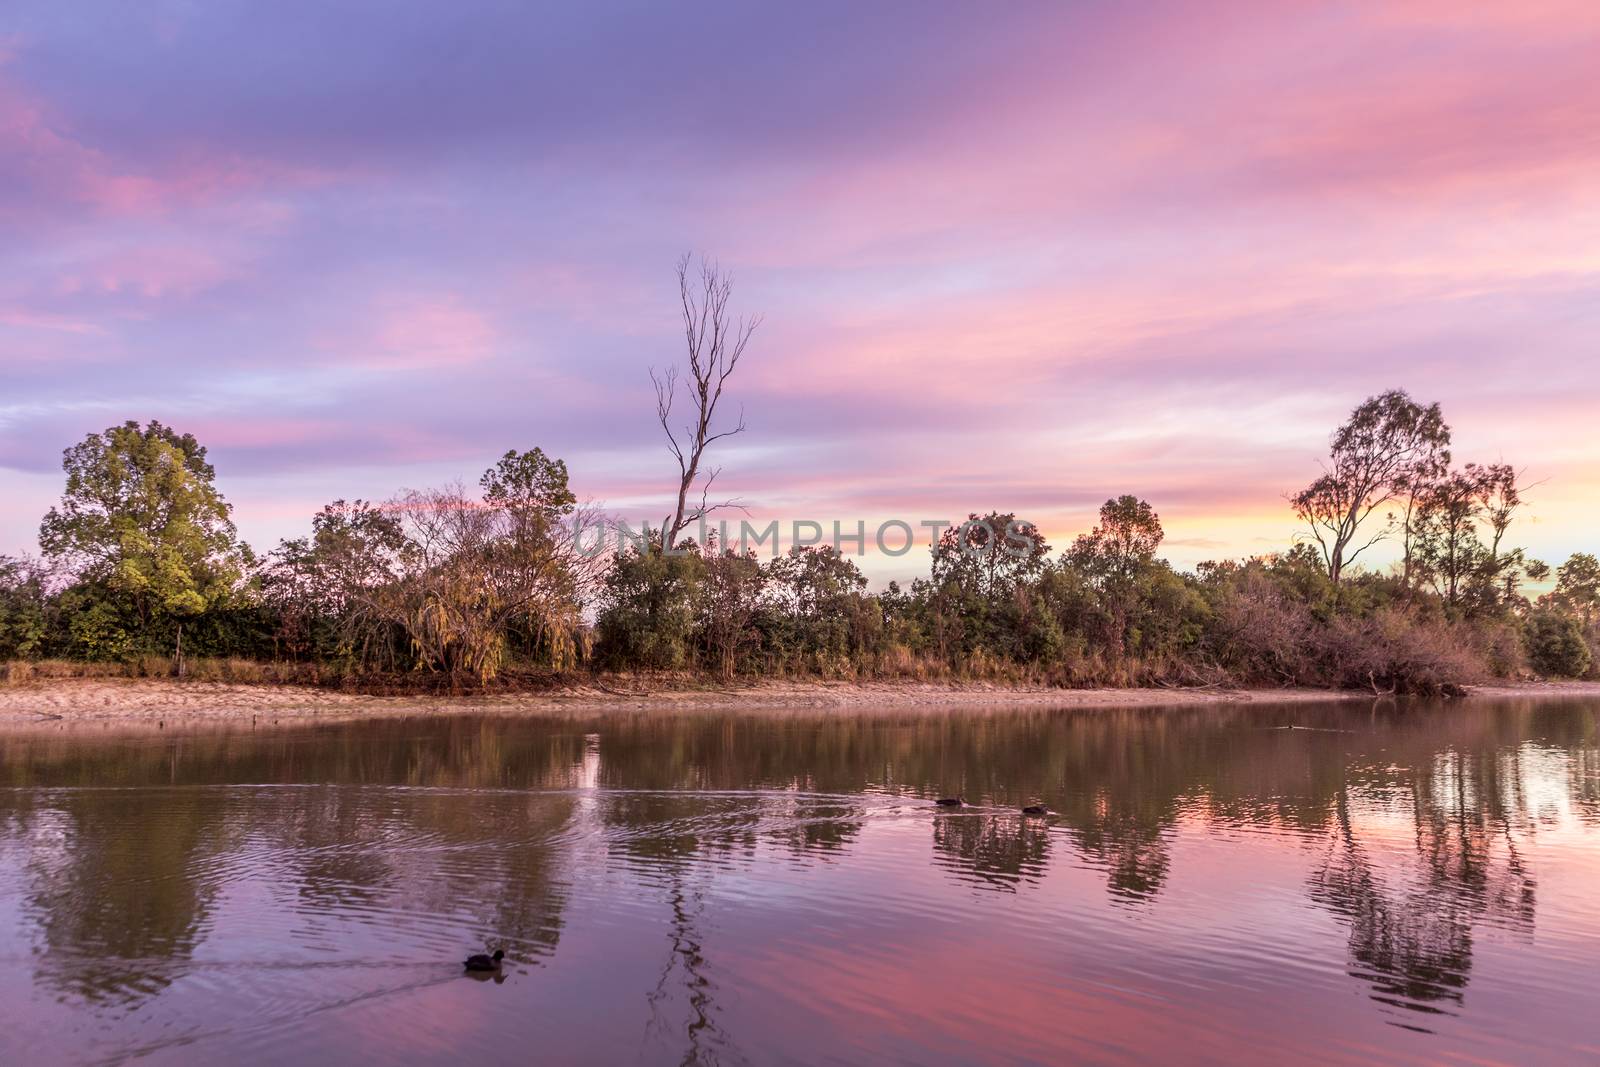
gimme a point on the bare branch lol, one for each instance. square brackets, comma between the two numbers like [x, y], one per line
[714, 344]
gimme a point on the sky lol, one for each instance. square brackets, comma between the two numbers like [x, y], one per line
[1019, 257]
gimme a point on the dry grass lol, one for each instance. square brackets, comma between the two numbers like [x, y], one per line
[231, 670]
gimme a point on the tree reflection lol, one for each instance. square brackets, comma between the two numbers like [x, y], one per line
[994, 851]
[675, 840]
[1129, 840]
[121, 902]
[1412, 916]
[123, 882]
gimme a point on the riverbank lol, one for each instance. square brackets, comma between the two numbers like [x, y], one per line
[163, 702]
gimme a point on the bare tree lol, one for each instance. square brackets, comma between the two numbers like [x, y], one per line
[715, 344]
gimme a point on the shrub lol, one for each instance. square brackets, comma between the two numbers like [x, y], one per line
[1393, 652]
[1261, 635]
[1555, 644]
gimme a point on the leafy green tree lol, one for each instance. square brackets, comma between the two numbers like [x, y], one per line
[982, 573]
[729, 602]
[24, 603]
[537, 544]
[991, 555]
[100, 625]
[327, 591]
[141, 515]
[531, 486]
[646, 616]
[822, 594]
[1115, 558]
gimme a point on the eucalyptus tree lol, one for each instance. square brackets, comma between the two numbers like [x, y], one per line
[990, 555]
[1459, 536]
[1115, 557]
[1578, 587]
[1389, 446]
[982, 578]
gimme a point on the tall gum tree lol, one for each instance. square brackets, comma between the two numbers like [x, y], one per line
[1389, 446]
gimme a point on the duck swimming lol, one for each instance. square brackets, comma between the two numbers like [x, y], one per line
[481, 962]
[1036, 809]
[951, 802]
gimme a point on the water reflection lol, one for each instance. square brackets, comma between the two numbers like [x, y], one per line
[1412, 917]
[994, 851]
[180, 889]
[120, 904]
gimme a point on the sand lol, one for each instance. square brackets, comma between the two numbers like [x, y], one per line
[163, 703]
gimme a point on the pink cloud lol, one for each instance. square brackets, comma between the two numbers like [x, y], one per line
[40, 152]
[44, 157]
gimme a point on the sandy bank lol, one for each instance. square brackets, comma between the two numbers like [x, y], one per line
[152, 702]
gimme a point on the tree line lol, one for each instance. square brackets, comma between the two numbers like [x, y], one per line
[140, 560]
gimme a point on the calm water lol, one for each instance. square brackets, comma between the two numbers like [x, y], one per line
[1389, 885]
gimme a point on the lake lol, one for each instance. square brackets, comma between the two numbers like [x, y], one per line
[1339, 883]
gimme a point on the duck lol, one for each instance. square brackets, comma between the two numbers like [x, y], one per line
[951, 802]
[1036, 809]
[481, 962]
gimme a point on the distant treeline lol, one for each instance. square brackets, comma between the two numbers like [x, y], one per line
[141, 559]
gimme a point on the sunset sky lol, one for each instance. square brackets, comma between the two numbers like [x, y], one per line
[1020, 257]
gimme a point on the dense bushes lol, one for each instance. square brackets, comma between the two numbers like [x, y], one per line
[1106, 612]
[1556, 645]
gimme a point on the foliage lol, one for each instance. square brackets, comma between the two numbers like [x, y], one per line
[141, 517]
[731, 598]
[24, 608]
[439, 581]
[1555, 644]
[647, 608]
[325, 590]
[475, 574]
[1453, 512]
[1577, 588]
[1117, 562]
[825, 617]
[1389, 445]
